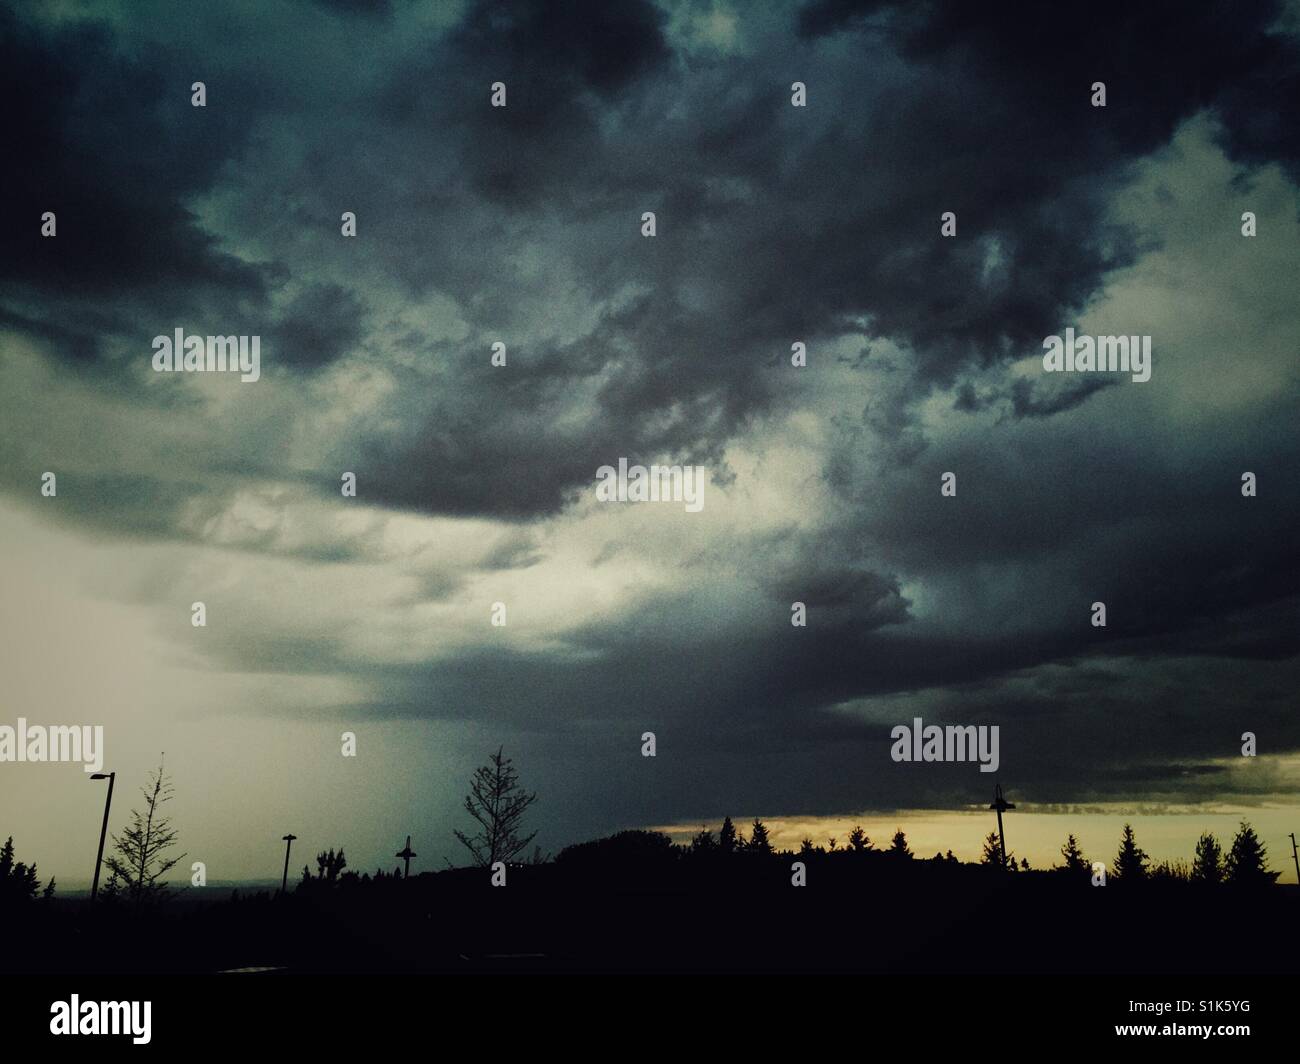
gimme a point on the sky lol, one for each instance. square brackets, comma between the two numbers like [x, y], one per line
[476, 483]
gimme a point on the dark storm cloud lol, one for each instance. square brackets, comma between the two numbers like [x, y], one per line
[1203, 598]
[562, 65]
[1160, 62]
[494, 448]
[1032, 399]
[317, 327]
[362, 8]
[107, 141]
[575, 46]
[777, 223]
[741, 721]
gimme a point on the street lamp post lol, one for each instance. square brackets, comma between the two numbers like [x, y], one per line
[108, 800]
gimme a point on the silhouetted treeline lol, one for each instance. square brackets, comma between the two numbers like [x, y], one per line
[636, 902]
[18, 882]
[653, 854]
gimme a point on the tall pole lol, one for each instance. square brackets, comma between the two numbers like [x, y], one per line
[1295, 857]
[288, 844]
[103, 830]
[1002, 838]
[1000, 803]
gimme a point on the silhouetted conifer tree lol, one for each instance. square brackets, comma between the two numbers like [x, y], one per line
[1074, 859]
[1207, 867]
[18, 882]
[139, 859]
[898, 847]
[992, 854]
[1247, 862]
[1131, 861]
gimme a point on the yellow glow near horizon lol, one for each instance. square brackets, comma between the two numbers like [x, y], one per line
[1039, 835]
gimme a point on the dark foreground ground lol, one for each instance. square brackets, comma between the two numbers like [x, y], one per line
[871, 916]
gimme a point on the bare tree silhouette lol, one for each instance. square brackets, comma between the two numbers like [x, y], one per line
[497, 803]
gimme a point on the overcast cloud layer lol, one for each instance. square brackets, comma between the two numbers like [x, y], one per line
[475, 483]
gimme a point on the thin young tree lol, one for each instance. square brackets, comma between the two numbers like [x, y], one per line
[704, 842]
[1074, 859]
[992, 854]
[139, 859]
[497, 803]
[1208, 864]
[728, 838]
[898, 847]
